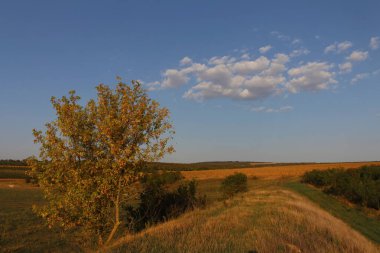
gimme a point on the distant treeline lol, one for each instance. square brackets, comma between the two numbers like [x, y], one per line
[11, 162]
[359, 186]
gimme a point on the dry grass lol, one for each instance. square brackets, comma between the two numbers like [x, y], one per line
[271, 220]
[271, 172]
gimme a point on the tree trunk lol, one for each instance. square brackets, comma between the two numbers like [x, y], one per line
[117, 215]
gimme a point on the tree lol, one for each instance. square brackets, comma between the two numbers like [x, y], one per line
[91, 157]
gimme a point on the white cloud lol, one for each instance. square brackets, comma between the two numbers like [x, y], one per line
[357, 56]
[338, 47]
[220, 74]
[299, 52]
[249, 77]
[259, 79]
[174, 78]
[272, 110]
[221, 60]
[345, 67]
[374, 43]
[343, 46]
[311, 76]
[362, 76]
[359, 77]
[185, 61]
[265, 49]
[330, 48]
[248, 67]
[245, 79]
[277, 65]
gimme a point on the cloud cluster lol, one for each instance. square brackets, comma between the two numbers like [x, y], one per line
[253, 78]
[310, 77]
[265, 49]
[338, 47]
[248, 78]
[345, 67]
[238, 78]
[362, 76]
[357, 56]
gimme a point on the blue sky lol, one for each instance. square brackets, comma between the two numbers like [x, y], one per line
[245, 80]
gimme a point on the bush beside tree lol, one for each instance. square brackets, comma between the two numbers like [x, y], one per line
[164, 196]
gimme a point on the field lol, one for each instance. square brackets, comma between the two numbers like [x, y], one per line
[272, 171]
[214, 170]
[278, 214]
[13, 171]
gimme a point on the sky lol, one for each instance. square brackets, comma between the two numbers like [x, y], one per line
[282, 81]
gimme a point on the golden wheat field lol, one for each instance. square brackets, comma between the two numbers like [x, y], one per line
[271, 172]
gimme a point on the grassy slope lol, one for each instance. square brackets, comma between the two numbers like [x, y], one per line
[370, 227]
[269, 219]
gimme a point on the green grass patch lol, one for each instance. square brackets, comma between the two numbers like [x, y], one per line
[357, 219]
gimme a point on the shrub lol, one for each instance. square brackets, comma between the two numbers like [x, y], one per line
[234, 184]
[158, 203]
[164, 178]
[360, 186]
[321, 177]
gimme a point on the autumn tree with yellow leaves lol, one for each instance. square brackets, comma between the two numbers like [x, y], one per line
[91, 157]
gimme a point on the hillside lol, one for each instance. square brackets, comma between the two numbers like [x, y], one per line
[270, 219]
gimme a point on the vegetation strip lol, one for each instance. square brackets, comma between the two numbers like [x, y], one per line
[369, 227]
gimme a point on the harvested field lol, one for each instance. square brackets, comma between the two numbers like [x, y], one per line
[272, 172]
